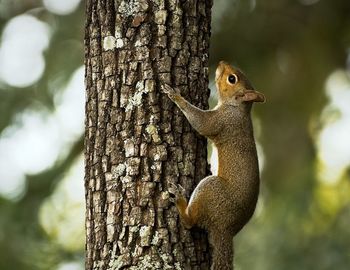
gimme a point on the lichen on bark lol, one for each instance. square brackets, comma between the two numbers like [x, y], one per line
[136, 140]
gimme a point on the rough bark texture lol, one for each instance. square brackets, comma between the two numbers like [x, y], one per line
[137, 141]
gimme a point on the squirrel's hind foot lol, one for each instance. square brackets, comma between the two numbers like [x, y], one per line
[177, 191]
[179, 195]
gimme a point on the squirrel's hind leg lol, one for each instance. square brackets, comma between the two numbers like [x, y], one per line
[188, 215]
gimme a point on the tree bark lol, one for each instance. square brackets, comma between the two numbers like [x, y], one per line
[136, 140]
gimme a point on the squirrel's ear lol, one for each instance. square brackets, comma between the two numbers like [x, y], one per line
[253, 96]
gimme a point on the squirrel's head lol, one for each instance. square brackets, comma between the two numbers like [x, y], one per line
[233, 86]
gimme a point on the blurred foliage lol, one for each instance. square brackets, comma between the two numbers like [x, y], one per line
[23, 242]
[288, 49]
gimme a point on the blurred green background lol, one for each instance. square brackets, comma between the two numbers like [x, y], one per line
[296, 52]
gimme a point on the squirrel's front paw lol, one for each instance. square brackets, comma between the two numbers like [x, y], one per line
[171, 92]
[177, 192]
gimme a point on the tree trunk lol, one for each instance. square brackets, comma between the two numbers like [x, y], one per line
[136, 140]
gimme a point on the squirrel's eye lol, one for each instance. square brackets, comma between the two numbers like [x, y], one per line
[232, 79]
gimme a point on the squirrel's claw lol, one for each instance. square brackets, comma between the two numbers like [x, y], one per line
[167, 89]
[177, 191]
[171, 92]
[172, 200]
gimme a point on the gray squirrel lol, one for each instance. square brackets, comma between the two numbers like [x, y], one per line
[223, 203]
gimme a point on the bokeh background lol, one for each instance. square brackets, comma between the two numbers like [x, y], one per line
[297, 52]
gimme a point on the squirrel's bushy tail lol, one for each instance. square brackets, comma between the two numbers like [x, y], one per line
[222, 250]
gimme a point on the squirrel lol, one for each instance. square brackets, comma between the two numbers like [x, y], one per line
[224, 203]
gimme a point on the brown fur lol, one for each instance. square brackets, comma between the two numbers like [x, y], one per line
[223, 204]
